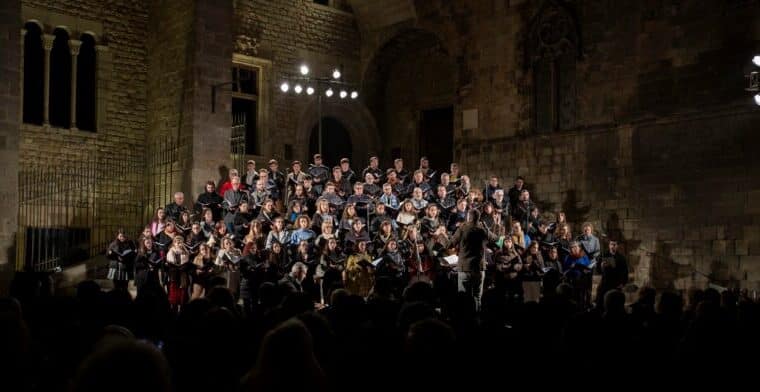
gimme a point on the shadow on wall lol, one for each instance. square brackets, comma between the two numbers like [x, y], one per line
[574, 214]
[224, 172]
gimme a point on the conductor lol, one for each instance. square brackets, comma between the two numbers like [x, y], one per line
[471, 239]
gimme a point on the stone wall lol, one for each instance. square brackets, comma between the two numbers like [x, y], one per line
[115, 152]
[287, 33]
[660, 152]
[10, 103]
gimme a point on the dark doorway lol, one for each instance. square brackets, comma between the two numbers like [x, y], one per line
[437, 138]
[336, 142]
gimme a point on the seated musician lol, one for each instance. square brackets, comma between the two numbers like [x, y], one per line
[420, 264]
[359, 275]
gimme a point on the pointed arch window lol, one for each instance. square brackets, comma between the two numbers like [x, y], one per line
[553, 51]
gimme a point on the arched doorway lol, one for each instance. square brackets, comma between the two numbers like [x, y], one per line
[410, 88]
[336, 142]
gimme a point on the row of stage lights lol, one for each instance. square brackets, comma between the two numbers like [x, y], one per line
[298, 88]
[754, 80]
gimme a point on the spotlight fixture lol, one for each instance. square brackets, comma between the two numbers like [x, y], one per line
[336, 74]
[298, 89]
[284, 87]
[304, 69]
[354, 94]
[343, 94]
[757, 99]
[309, 90]
[756, 60]
[329, 92]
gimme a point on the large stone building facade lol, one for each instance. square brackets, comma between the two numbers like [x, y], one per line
[630, 115]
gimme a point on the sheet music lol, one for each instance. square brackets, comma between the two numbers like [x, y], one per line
[452, 260]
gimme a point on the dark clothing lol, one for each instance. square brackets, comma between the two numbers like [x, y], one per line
[212, 201]
[122, 256]
[232, 200]
[290, 285]
[514, 195]
[174, 210]
[614, 274]
[319, 175]
[471, 240]
[488, 191]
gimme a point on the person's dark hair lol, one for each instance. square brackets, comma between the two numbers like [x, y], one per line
[105, 369]
[473, 216]
[614, 302]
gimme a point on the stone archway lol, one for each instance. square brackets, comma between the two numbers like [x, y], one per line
[411, 76]
[353, 116]
[336, 142]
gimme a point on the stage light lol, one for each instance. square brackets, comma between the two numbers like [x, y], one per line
[336, 74]
[757, 99]
[329, 92]
[756, 60]
[298, 89]
[304, 69]
[309, 90]
[284, 87]
[343, 94]
[354, 95]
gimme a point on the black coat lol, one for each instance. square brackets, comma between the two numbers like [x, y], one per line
[471, 241]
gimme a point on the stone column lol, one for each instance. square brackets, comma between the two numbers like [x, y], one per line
[47, 44]
[74, 48]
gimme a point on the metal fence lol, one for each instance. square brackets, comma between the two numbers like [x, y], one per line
[69, 214]
[237, 142]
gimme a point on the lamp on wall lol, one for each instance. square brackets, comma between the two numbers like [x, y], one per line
[327, 86]
[754, 80]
